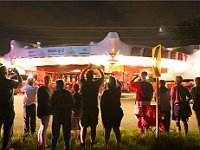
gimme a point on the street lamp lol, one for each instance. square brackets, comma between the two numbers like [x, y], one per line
[161, 29]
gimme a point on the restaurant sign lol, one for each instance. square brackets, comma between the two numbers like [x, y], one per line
[59, 51]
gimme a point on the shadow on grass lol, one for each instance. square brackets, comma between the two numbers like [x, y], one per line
[131, 140]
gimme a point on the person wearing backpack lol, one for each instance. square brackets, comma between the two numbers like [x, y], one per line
[195, 92]
[144, 94]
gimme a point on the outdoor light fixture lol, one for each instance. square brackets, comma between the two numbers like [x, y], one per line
[113, 50]
[38, 44]
[161, 29]
[113, 56]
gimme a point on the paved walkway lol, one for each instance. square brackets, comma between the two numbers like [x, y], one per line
[128, 121]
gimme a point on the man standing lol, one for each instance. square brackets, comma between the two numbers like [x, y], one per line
[165, 107]
[61, 107]
[181, 110]
[7, 113]
[29, 104]
[144, 94]
[89, 111]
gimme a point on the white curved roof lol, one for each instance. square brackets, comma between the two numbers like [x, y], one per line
[111, 41]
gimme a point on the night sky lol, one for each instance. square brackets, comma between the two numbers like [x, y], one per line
[56, 23]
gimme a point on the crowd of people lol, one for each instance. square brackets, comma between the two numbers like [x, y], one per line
[78, 110]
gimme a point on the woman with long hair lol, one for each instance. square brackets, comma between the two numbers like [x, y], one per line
[44, 95]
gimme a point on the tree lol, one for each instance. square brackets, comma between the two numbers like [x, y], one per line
[188, 32]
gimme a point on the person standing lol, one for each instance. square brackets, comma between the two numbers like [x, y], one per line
[195, 92]
[7, 113]
[29, 105]
[165, 107]
[111, 111]
[180, 97]
[0, 124]
[61, 107]
[89, 106]
[144, 94]
[76, 110]
[43, 99]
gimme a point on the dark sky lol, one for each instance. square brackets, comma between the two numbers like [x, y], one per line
[55, 23]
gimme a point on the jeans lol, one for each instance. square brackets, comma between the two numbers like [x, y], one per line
[65, 121]
[30, 118]
[7, 119]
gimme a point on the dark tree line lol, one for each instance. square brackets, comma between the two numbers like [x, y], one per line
[188, 32]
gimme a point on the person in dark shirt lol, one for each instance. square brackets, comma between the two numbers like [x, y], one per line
[0, 124]
[195, 92]
[165, 107]
[61, 107]
[89, 106]
[180, 97]
[7, 113]
[144, 94]
[111, 111]
[76, 110]
[43, 98]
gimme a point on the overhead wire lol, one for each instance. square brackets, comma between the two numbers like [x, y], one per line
[93, 29]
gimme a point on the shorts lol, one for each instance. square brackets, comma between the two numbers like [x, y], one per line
[180, 112]
[89, 117]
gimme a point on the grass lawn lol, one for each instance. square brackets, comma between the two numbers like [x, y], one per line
[131, 140]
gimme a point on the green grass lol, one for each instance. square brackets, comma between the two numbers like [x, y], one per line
[131, 140]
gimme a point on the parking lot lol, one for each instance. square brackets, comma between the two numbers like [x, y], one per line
[128, 122]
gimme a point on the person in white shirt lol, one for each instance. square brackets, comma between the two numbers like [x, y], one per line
[29, 104]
